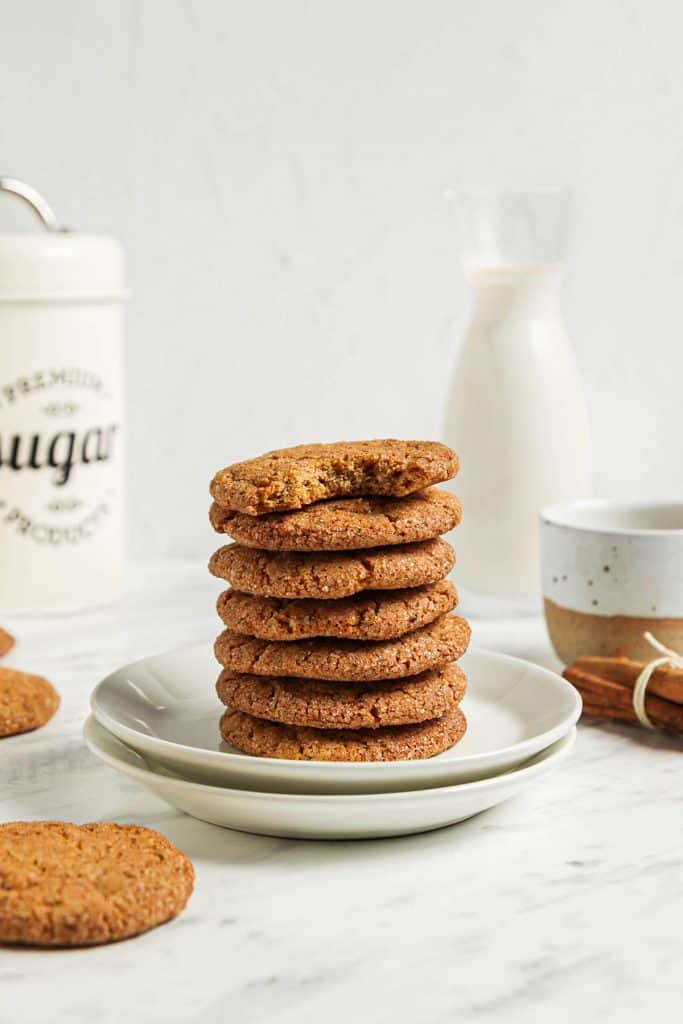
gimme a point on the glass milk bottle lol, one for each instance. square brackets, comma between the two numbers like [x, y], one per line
[62, 530]
[516, 413]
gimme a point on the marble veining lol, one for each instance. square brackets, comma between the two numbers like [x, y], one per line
[563, 904]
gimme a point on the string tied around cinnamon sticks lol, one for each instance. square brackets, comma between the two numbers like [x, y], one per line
[668, 657]
[606, 685]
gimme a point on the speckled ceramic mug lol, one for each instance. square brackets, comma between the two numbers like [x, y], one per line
[612, 570]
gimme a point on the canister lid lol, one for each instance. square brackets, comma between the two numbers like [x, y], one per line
[52, 264]
[40, 266]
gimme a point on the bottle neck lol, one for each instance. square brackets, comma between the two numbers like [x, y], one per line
[516, 291]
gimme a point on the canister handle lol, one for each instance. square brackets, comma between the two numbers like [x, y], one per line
[33, 199]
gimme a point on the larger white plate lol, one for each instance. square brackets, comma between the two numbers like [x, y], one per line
[165, 707]
[302, 816]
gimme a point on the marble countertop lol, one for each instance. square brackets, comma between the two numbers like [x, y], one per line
[563, 904]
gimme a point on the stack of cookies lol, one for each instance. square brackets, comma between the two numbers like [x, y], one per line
[339, 643]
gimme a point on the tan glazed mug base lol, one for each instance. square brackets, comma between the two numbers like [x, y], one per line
[575, 634]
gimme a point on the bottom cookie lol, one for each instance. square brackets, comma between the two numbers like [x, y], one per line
[392, 743]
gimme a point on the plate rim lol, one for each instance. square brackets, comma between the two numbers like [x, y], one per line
[189, 754]
[543, 758]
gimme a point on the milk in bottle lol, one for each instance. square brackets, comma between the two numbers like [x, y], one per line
[516, 414]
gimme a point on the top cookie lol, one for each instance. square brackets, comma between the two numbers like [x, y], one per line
[291, 478]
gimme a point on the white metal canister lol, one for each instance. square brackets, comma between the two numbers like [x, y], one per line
[62, 535]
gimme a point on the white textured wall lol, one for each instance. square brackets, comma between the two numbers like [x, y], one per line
[275, 169]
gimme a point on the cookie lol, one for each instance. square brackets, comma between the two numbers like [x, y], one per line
[6, 642]
[26, 702]
[81, 885]
[325, 575]
[324, 705]
[294, 477]
[345, 523]
[432, 646]
[370, 616]
[392, 743]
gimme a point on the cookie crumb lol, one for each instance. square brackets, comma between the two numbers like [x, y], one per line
[6, 642]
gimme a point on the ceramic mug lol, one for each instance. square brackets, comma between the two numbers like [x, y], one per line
[610, 571]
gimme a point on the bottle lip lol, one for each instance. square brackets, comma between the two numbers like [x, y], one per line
[509, 271]
[504, 226]
[64, 298]
[516, 191]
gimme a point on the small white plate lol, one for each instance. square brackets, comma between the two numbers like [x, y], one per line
[300, 816]
[165, 707]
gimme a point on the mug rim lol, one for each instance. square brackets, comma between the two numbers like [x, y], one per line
[556, 515]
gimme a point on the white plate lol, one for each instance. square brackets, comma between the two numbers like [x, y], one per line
[165, 707]
[301, 816]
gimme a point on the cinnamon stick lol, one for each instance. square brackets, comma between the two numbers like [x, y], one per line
[665, 681]
[606, 698]
[6, 642]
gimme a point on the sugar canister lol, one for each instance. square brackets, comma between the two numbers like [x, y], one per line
[62, 534]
